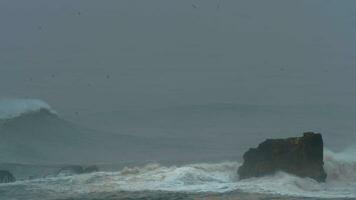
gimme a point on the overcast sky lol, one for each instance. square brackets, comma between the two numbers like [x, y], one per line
[97, 56]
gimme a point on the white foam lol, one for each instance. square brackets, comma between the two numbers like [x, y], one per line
[10, 108]
[340, 167]
[204, 177]
[193, 178]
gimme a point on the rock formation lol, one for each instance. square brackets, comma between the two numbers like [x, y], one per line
[301, 156]
[91, 169]
[6, 177]
[77, 169]
[70, 170]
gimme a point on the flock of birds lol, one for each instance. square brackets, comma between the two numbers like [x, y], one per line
[79, 13]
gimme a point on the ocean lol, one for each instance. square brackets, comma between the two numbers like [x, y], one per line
[165, 96]
[190, 181]
[36, 142]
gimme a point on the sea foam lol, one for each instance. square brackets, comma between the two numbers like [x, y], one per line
[201, 178]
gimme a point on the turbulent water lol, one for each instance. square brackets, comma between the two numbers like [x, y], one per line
[189, 181]
[32, 133]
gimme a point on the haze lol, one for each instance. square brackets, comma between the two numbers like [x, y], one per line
[89, 58]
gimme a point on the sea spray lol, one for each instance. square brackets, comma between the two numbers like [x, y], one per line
[10, 108]
[194, 179]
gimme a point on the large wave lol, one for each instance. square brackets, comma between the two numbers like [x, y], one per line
[32, 132]
[197, 178]
[10, 108]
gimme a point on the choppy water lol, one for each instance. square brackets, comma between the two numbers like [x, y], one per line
[202, 180]
[31, 131]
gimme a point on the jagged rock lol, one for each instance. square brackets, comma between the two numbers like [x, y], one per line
[91, 169]
[6, 177]
[77, 169]
[301, 156]
[70, 170]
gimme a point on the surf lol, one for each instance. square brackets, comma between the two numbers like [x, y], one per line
[200, 178]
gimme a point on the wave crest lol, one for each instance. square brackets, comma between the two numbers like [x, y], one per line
[10, 108]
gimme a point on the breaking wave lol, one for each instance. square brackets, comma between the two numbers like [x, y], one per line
[10, 108]
[200, 178]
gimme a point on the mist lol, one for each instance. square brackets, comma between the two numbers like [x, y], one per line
[229, 72]
[177, 99]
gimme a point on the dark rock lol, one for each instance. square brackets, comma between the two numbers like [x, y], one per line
[6, 177]
[91, 169]
[301, 156]
[71, 170]
[77, 169]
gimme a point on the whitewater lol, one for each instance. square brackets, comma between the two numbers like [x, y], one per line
[155, 180]
[190, 179]
[10, 108]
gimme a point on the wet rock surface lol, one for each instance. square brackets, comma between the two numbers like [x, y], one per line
[301, 156]
[77, 169]
[6, 177]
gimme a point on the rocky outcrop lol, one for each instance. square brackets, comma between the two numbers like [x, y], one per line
[70, 170]
[301, 156]
[91, 169]
[77, 169]
[6, 177]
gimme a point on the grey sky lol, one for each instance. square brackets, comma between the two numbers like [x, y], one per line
[161, 53]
